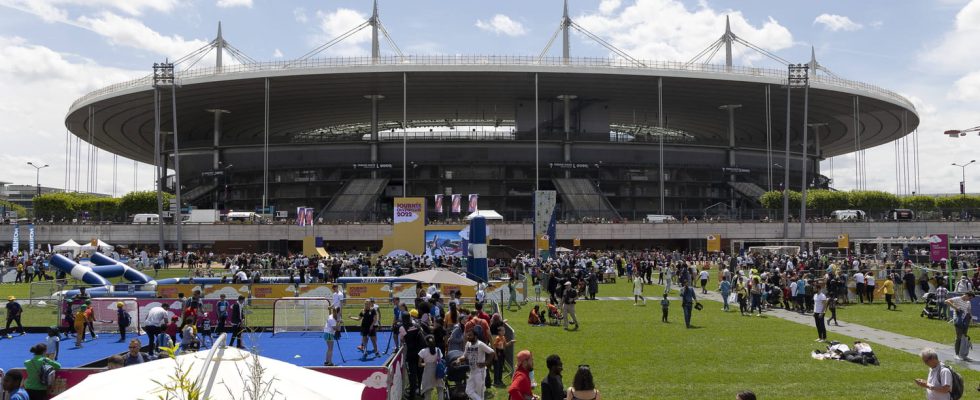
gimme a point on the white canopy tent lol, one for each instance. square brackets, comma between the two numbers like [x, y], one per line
[440, 276]
[100, 246]
[222, 373]
[490, 215]
[70, 245]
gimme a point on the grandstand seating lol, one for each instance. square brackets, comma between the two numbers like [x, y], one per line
[581, 199]
[355, 200]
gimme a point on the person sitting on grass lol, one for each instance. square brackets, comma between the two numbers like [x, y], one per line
[745, 395]
[534, 317]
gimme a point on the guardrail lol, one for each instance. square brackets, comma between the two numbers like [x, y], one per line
[477, 60]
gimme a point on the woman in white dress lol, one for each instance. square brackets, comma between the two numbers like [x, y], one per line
[429, 357]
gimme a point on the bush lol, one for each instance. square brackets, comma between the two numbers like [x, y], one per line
[960, 202]
[827, 200]
[20, 210]
[142, 202]
[919, 203]
[873, 200]
[774, 200]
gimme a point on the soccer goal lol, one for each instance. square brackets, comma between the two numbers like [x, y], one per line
[300, 314]
[106, 318]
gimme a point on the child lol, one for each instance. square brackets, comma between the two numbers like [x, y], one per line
[832, 305]
[80, 325]
[188, 335]
[500, 345]
[122, 320]
[664, 307]
[534, 317]
[89, 319]
[204, 327]
[172, 329]
[54, 343]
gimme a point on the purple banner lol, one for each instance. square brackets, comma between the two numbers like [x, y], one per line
[938, 247]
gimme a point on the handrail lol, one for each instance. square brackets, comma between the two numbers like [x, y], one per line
[477, 60]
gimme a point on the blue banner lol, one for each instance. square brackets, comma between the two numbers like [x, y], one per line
[30, 238]
[16, 241]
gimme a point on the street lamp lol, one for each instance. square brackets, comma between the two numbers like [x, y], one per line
[963, 170]
[38, 169]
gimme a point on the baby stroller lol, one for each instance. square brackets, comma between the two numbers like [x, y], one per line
[555, 317]
[456, 374]
[931, 308]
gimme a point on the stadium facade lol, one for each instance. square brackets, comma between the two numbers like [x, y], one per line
[616, 137]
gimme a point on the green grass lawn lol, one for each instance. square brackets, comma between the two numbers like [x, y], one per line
[635, 356]
[906, 320]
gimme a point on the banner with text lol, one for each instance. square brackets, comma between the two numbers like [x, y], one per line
[938, 247]
[16, 240]
[30, 238]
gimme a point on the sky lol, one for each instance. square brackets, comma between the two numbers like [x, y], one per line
[54, 51]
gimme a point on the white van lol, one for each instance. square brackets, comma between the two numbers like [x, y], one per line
[240, 217]
[142, 219]
[660, 219]
[848, 215]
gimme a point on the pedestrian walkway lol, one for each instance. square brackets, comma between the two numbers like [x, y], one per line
[893, 340]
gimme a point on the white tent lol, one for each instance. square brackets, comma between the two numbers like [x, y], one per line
[440, 276]
[490, 215]
[100, 246]
[70, 245]
[223, 374]
[563, 250]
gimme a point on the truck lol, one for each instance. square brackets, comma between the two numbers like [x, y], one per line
[146, 219]
[202, 216]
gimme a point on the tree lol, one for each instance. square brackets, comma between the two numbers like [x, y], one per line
[919, 203]
[826, 201]
[20, 210]
[873, 200]
[959, 202]
[142, 202]
[773, 200]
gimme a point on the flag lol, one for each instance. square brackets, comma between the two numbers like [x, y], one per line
[30, 238]
[474, 198]
[301, 216]
[438, 204]
[309, 216]
[457, 198]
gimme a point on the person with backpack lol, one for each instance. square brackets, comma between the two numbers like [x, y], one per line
[40, 370]
[942, 382]
[433, 369]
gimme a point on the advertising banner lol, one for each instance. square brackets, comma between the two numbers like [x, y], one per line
[407, 211]
[714, 243]
[30, 238]
[16, 240]
[938, 247]
[474, 199]
[843, 241]
[457, 199]
[438, 207]
[443, 243]
[367, 290]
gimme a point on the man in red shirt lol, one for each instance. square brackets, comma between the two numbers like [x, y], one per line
[520, 386]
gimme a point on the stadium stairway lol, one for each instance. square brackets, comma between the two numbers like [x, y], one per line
[580, 199]
[749, 190]
[356, 199]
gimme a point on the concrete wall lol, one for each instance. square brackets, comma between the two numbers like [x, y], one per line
[131, 234]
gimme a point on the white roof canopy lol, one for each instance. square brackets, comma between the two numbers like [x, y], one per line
[490, 215]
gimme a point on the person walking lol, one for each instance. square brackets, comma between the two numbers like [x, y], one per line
[909, 280]
[859, 285]
[888, 288]
[552, 387]
[819, 306]
[688, 297]
[964, 285]
[237, 322]
[14, 312]
[939, 383]
[869, 286]
[520, 384]
[725, 287]
[832, 306]
[638, 288]
[35, 389]
[568, 305]
[478, 355]
[962, 318]
[703, 276]
[428, 358]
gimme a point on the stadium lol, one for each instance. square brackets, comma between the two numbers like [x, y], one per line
[617, 138]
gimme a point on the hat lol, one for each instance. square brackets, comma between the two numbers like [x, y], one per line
[119, 304]
[569, 283]
[84, 306]
[414, 313]
[524, 355]
[11, 298]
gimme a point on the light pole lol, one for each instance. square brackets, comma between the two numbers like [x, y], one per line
[962, 168]
[37, 171]
[797, 77]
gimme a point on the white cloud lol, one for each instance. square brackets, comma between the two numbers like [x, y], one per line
[339, 22]
[608, 6]
[967, 88]
[277, 54]
[38, 89]
[502, 25]
[299, 14]
[956, 51]
[50, 10]
[234, 3]
[668, 30]
[130, 32]
[834, 23]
